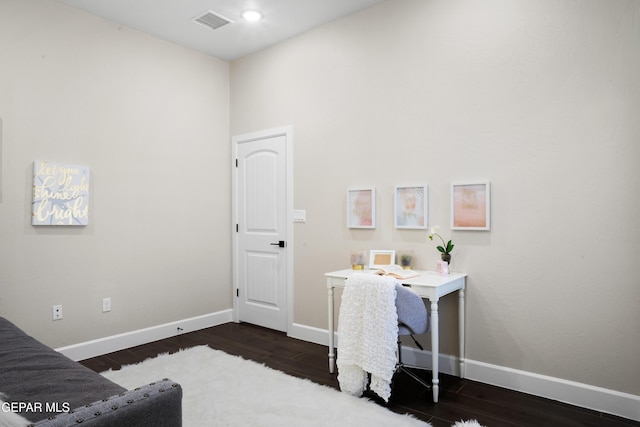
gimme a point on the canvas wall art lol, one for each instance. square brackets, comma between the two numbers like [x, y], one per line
[60, 194]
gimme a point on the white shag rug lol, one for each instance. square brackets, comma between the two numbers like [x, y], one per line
[224, 390]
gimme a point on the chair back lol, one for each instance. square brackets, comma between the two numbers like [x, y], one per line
[412, 313]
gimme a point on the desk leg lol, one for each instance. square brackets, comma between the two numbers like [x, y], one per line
[332, 354]
[461, 330]
[435, 349]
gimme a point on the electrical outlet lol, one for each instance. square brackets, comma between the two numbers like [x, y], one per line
[106, 304]
[57, 312]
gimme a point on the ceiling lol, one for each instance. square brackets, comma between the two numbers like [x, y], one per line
[173, 20]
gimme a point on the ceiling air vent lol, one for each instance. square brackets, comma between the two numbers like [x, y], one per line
[211, 20]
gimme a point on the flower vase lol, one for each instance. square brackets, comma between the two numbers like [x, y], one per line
[447, 258]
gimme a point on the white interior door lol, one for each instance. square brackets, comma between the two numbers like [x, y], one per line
[262, 247]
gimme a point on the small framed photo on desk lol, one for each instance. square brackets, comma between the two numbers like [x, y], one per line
[378, 259]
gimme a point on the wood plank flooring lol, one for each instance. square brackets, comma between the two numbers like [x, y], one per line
[459, 399]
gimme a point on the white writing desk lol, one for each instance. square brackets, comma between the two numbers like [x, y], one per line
[429, 285]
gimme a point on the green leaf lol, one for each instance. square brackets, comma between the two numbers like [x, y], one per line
[441, 249]
[449, 246]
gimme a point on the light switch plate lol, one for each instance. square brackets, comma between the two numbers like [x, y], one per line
[300, 216]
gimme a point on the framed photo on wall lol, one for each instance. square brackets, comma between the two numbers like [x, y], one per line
[361, 208]
[411, 207]
[471, 206]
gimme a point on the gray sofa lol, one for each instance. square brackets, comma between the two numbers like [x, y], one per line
[49, 389]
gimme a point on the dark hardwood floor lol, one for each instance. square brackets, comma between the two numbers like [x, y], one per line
[459, 399]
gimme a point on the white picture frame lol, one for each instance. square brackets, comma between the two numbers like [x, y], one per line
[471, 205]
[381, 258]
[361, 207]
[411, 207]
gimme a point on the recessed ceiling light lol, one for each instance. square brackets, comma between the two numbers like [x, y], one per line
[251, 15]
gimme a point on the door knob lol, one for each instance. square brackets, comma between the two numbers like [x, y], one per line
[280, 244]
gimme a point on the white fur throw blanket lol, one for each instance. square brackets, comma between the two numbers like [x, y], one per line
[368, 334]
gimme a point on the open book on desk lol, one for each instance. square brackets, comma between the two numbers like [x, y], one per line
[395, 271]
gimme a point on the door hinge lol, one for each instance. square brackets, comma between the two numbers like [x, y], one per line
[237, 228]
[236, 162]
[238, 292]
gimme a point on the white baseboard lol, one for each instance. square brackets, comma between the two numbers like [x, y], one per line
[574, 393]
[447, 364]
[309, 334]
[113, 343]
[584, 395]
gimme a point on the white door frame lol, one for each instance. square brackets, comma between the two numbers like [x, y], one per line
[287, 132]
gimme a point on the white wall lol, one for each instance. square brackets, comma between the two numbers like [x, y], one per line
[541, 98]
[151, 120]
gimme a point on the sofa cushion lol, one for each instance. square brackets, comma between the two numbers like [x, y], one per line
[32, 373]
